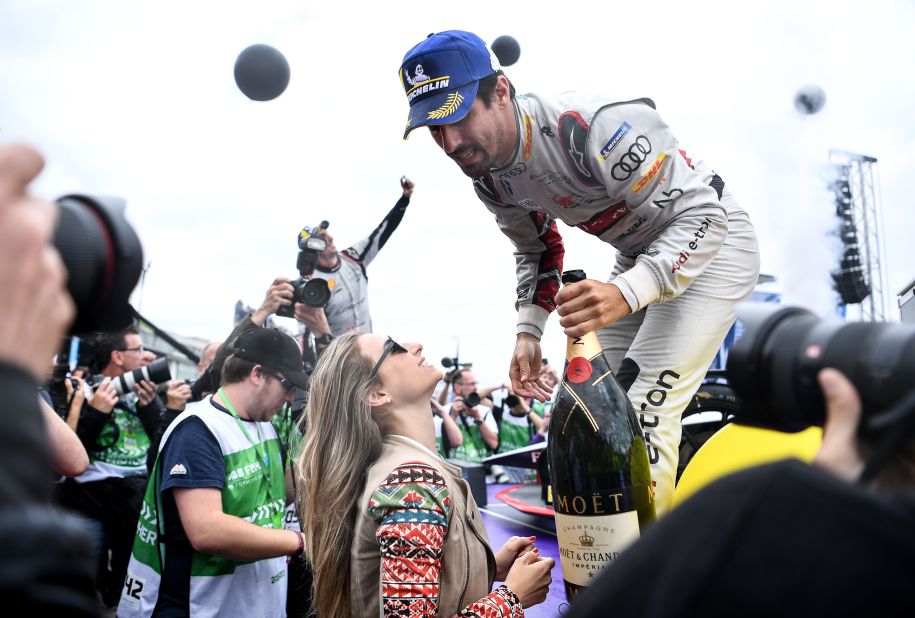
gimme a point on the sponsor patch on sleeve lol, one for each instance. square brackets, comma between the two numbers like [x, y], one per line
[177, 469]
[642, 182]
[614, 140]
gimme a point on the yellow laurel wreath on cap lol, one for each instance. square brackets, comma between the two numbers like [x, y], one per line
[451, 104]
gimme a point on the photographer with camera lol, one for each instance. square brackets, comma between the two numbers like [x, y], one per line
[787, 538]
[115, 426]
[447, 434]
[346, 275]
[479, 431]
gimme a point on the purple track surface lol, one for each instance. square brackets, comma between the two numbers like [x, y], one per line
[503, 521]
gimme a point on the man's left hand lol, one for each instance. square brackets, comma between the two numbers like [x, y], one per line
[146, 392]
[312, 317]
[407, 186]
[177, 395]
[840, 453]
[589, 305]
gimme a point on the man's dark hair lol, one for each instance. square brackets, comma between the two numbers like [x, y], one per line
[235, 370]
[459, 376]
[488, 86]
[106, 343]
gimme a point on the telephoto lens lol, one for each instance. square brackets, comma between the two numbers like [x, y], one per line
[773, 367]
[471, 400]
[156, 372]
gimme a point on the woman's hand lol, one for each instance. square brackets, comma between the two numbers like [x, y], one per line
[530, 577]
[506, 555]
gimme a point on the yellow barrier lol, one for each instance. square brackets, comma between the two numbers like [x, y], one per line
[735, 447]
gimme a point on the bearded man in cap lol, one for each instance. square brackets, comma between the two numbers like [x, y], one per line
[210, 540]
[686, 253]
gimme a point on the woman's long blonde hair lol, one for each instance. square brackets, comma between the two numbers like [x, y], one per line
[341, 443]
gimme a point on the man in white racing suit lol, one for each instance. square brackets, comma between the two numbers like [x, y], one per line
[345, 273]
[686, 251]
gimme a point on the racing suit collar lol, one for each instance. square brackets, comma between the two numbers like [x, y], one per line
[333, 268]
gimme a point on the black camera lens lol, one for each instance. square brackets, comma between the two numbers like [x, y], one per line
[315, 292]
[103, 257]
[156, 372]
[773, 367]
[471, 400]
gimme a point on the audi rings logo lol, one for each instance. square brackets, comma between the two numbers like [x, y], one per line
[632, 159]
[515, 171]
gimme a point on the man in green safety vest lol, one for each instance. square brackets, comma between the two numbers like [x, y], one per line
[210, 540]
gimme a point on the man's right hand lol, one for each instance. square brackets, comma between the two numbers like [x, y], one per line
[458, 407]
[104, 397]
[278, 295]
[177, 395]
[524, 370]
[35, 307]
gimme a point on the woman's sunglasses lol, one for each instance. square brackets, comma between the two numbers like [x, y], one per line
[389, 346]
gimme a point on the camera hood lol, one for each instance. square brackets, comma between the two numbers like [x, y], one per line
[103, 257]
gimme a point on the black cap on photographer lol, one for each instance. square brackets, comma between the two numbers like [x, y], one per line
[274, 350]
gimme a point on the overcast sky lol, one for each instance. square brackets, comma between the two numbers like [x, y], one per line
[137, 99]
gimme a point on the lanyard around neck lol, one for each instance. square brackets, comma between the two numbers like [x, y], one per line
[262, 455]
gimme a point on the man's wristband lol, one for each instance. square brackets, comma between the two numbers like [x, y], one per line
[324, 340]
[300, 550]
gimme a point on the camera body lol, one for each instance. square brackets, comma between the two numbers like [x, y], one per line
[312, 291]
[773, 367]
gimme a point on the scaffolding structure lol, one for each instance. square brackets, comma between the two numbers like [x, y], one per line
[862, 234]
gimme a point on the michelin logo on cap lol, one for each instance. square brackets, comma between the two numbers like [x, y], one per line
[421, 83]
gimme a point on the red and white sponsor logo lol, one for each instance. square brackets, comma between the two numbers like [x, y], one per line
[603, 221]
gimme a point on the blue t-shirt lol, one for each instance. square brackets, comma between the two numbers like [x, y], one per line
[192, 457]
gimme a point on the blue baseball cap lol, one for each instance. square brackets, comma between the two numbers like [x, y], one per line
[441, 74]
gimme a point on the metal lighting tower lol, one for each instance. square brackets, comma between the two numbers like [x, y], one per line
[860, 278]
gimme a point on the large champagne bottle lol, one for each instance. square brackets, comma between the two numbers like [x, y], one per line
[599, 471]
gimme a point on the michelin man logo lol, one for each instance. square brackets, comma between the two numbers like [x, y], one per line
[418, 77]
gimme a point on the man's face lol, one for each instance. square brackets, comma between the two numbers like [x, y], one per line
[273, 393]
[328, 257]
[479, 141]
[132, 356]
[206, 357]
[465, 384]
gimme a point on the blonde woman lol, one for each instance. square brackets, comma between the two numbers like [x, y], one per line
[391, 528]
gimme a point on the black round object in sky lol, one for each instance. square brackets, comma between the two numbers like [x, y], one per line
[261, 72]
[507, 50]
[809, 99]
